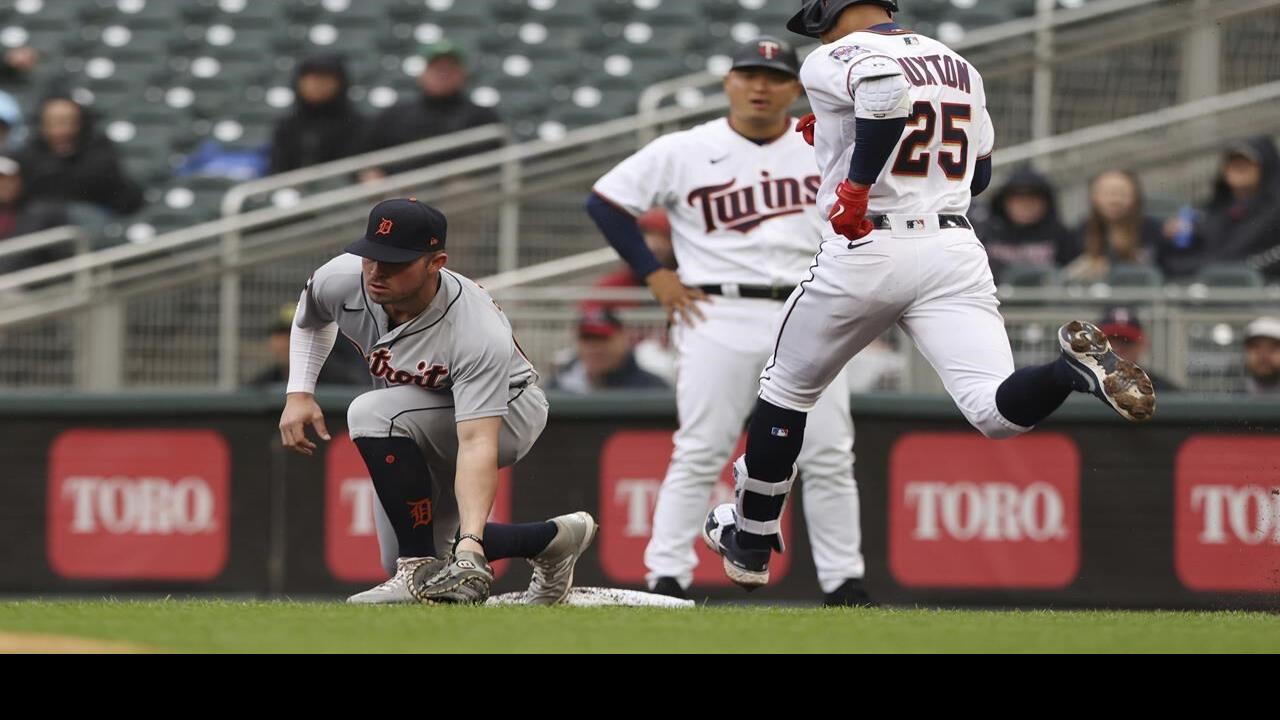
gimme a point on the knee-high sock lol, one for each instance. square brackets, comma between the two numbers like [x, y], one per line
[403, 482]
[517, 541]
[1031, 394]
[774, 439]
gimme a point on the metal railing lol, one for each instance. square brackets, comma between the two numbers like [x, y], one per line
[234, 201]
[45, 239]
[1146, 140]
[1195, 335]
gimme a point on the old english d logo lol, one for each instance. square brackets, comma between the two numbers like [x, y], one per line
[421, 512]
[769, 49]
[384, 227]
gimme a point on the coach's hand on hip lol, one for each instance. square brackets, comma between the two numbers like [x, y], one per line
[301, 410]
[849, 215]
[679, 301]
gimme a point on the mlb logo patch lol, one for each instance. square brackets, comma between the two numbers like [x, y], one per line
[845, 53]
[915, 224]
[911, 40]
[780, 432]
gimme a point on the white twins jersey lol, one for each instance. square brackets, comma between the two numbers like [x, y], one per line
[740, 212]
[948, 127]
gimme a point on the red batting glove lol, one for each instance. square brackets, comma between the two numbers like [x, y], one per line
[806, 127]
[849, 215]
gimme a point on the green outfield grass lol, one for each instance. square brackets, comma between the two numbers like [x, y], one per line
[225, 626]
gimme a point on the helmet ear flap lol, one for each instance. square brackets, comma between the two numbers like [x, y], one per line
[817, 16]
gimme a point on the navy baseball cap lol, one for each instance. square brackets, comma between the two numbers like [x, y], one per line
[401, 231]
[767, 52]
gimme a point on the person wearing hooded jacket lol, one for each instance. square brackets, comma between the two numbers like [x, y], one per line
[67, 161]
[1242, 220]
[324, 125]
[442, 107]
[1023, 228]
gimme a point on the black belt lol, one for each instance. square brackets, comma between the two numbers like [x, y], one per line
[945, 222]
[755, 292]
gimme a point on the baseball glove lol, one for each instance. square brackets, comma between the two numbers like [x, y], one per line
[463, 579]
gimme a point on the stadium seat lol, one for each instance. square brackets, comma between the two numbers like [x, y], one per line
[1029, 276]
[1133, 275]
[1230, 275]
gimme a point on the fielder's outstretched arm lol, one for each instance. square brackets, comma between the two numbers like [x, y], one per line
[309, 348]
[476, 484]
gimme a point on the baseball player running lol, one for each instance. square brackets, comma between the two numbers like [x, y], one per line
[457, 401]
[741, 195]
[903, 140]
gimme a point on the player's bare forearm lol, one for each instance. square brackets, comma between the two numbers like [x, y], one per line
[301, 410]
[476, 482]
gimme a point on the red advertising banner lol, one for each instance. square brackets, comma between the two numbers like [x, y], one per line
[965, 511]
[138, 504]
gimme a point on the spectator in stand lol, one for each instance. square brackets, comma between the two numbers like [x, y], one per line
[1121, 326]
[605, 359]
[1262, 358]
[1023, 229]
[1242, 220]
[17, 63]
[443, 107]
[13, 130]
[1116, 232]
[18, 216]
[67, 161]
[345, 366]
[324, 125]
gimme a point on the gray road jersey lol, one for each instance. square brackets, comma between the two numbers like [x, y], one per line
[461, 344]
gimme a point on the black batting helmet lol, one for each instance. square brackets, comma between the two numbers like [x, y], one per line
[817, 16]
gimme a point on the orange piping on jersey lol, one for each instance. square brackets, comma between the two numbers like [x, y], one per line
[363, 354]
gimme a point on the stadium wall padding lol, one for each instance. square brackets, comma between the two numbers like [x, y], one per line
[191, 494]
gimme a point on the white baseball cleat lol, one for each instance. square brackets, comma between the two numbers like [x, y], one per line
[1122, 385]
[553, 567]
[396, 590]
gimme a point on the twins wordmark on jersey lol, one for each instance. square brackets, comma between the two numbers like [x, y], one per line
[741, 212]
[741, 209]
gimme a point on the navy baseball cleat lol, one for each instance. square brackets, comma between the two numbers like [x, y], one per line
[670, 587]
[747, 568]
[1122, 385]
[851, 593]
